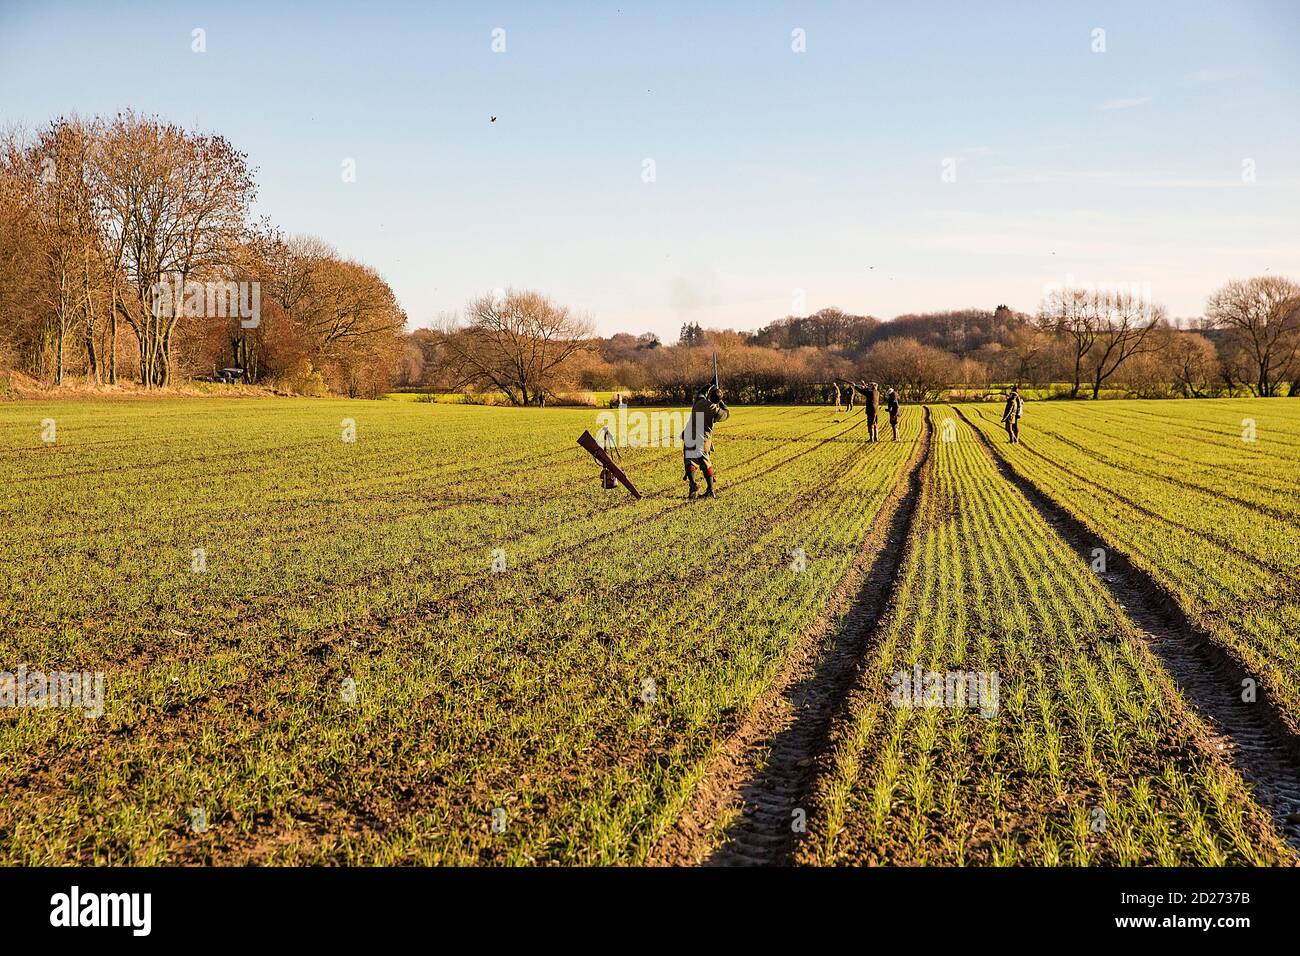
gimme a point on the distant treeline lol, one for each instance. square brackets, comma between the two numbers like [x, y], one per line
[526, 348]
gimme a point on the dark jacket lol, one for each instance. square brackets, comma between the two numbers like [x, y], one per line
[697, 436]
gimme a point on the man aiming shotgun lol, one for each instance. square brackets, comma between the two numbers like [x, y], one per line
[697, 437]
[871, 403]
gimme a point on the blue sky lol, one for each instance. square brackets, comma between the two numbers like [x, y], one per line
[783, 181]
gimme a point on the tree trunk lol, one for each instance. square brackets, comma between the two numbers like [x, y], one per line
[58, 361]
[112, 339]
[167, 358]
[92, 359]
[155, 346]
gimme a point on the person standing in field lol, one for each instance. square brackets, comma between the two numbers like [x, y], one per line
[871, 403]
[1011, 412]
[891, 406]
[697, 438]
[838, 402]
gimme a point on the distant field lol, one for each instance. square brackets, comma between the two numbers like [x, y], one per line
[596, 399]
[444, 642]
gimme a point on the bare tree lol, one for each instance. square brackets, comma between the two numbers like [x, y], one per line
[678, 370]
[1026, 347]
[348, 302]
[176, 206]
[1262, 319]
[287, 270]
[517, 343]
[80, 175]
[1236, 369]
[1123, 321]
[55, 171]
[1068, 315]
[21, 259]
[290, 266]
[1194, 362]
[919, 372]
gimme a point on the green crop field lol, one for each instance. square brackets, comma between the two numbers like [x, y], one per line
[1205, 496]
[411, 632]
[1091, 757]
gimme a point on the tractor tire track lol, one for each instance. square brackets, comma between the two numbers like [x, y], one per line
[788, 726]
[1217, 540]
[1255, 737]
